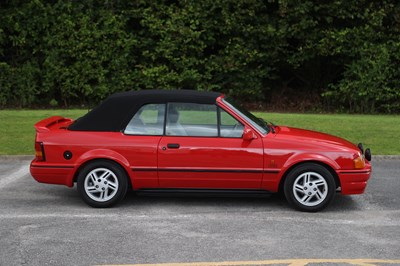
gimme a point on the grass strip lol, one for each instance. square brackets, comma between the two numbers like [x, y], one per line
[379, 132]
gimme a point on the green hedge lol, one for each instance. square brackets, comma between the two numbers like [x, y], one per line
[343, 55]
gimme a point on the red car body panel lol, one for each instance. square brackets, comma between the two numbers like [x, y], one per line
[228, 163]
[200, 162]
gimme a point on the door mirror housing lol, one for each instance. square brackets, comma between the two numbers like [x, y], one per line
[248, 134]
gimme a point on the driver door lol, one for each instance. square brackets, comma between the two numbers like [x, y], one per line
[203, 148]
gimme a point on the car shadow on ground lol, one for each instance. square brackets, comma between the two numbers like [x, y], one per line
[203, 201]
[267, 203]
[60, 196]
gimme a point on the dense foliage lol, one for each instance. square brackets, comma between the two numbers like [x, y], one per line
[332, 55]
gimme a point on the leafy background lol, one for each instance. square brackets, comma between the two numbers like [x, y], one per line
[341, 55]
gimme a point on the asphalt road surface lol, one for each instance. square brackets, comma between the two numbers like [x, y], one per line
[49, 225]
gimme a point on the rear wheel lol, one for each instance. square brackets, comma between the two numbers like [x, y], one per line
[309, 187]
[102, 184]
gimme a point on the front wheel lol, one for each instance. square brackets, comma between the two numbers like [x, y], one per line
[102, 184]
[309, 187]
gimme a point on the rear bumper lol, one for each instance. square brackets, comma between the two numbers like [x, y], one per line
[354, 181]
[52, 174]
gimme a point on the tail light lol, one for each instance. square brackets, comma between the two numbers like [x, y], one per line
[39, 151]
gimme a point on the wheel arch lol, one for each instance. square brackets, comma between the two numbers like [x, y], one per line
[111, 156]
[323, 164]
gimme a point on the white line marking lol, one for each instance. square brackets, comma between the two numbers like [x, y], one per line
[21, 172]
[69, 215]
[290, 262]
[73, 214]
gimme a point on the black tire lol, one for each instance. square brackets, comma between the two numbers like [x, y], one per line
[102, 184]
[312, 195]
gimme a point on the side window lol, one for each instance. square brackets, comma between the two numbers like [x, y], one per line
[230, 127]
[192, 119]
[148, 120]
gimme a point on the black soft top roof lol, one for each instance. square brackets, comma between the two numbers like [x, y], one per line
[115, 112]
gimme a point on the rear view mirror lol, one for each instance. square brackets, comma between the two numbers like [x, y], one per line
[248, 134]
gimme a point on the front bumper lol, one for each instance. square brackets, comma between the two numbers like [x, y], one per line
[354, 181]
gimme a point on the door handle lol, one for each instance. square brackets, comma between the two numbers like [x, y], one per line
[173, 146]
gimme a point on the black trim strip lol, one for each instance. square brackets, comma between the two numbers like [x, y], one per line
[211, 170]
[178, 192]
[270, 171]
[52, 166]
[144, 169]
[204, 170]
[359, 172]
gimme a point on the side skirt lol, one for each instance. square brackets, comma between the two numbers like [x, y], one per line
[179, 192]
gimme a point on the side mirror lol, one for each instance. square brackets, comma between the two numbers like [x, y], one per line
[248, 134]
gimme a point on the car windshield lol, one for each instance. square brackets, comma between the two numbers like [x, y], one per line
[249, 117]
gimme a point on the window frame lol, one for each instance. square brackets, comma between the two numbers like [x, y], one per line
[147, 135]
[242, 113]
[164, 128]
[165, 120]
[220, 123]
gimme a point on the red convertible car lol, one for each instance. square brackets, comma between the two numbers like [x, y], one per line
[181, 141]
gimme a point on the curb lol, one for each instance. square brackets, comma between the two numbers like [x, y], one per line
[16, 157]
[385, 157]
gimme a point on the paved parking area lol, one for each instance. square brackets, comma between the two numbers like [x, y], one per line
[289, 262]
[49, 225]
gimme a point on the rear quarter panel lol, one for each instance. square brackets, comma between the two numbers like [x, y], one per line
[128, 151]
